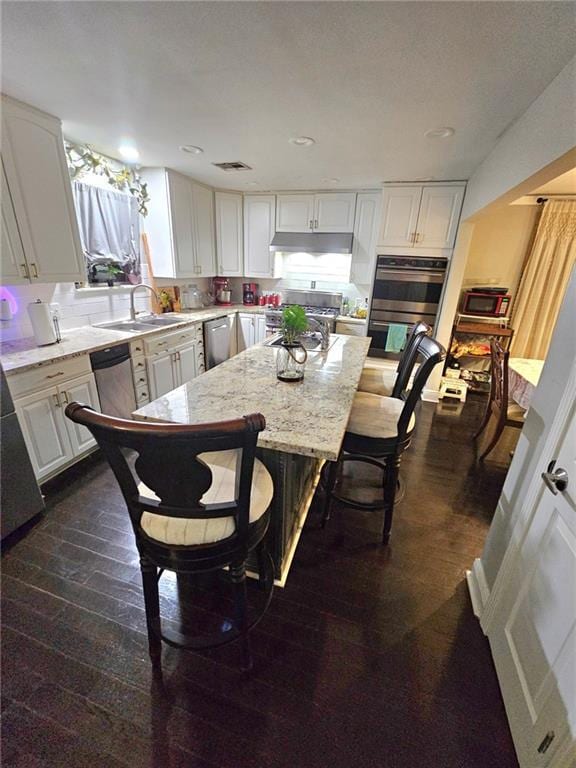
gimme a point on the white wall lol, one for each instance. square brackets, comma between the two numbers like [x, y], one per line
[528, 457]
[499, 245]
[544, 133]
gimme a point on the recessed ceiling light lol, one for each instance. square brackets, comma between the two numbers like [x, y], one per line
[128, 152]
[302, 141]
[252, 183]
[440, 133]
[331, 181]
[191, 149]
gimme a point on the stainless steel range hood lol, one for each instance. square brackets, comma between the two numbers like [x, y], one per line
[311, 242]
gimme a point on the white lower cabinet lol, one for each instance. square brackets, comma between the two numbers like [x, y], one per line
[251, 330]
[186, 363]
[161, 374]
[175, 367]
[53, 441]
[82, 390]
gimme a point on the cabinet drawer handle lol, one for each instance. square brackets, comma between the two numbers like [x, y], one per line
[417, 237]
[162, 343]
[57, 402]
[26, 270]
[315, 223]
[54, 375]
[65, 396]
[311, 224]
[34, 270]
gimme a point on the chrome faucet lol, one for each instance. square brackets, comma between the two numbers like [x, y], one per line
[324, 328]
[133, 291]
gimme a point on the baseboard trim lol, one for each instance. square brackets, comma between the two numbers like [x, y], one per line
[477, 587]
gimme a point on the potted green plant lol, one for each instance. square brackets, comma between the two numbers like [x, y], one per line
[292, 356]
[113, 272]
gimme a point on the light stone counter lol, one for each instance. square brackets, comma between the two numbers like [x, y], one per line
[23, 354]
[307, 418]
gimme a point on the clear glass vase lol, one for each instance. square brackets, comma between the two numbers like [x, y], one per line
[291, 361]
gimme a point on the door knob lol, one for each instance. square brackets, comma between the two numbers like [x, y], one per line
[556, 480]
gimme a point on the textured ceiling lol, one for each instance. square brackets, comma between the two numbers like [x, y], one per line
[366, 80]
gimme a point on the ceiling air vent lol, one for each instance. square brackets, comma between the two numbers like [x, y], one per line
[235, 166]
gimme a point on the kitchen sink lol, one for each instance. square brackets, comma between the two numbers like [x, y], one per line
[126, 325]
[311, 342]
[144, 323]
[160, 320]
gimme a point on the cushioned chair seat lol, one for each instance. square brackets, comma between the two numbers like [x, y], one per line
[378, 381]
[186, 531]
[515, 412]
[376, 416]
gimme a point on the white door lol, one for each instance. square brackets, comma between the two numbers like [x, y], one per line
[14, 269]
[203, 198]
[259, 328]
[295, 213]
[180, 189]
[365, 232]
[229, 234]
[533, 631]
[246, 334]
[334, 212]
[82, 390]
[161, 374]
[400, 207]
[41, 418]
[259, 218]
[439, 216]
[186, 363]
[37, 175]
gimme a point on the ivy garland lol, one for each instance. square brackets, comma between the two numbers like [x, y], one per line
[83, 160]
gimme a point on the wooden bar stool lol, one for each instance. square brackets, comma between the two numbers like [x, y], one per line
[198, 501]
[379, 431]
[393, 383]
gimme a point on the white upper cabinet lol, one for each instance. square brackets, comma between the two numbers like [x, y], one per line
[179, 225]
[439, 215]
[41, 194]
[229, 234]
[13, 266]
[259, 227]
[334, 212]
[322, 212]
[295, 213]
[182, 223]
[203, 216]
[400, 206]
[368, 207]
[420, 217]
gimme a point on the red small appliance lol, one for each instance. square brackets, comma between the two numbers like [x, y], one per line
[488, 302]
[222, 292]
[249, 294]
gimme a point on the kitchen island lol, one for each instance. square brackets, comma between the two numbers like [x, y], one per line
[305, 421]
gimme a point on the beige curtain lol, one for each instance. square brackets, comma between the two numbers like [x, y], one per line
[544, 280]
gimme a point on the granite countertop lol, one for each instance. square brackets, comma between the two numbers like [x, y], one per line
[22, 354]
[307, 418]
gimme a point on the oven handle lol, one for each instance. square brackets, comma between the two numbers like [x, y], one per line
[411, 276]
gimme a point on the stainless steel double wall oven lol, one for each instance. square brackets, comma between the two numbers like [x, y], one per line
[406, 289]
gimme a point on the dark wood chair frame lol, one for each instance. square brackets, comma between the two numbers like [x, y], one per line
[497, 405]
[408, 359]
[167, 462]
[385, 453]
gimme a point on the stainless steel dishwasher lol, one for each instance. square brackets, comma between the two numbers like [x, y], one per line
[113, 374]
[217, 341]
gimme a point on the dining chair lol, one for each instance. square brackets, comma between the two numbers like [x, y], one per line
[198, 500]
[379, 430]
[500, 411]
[389, 383]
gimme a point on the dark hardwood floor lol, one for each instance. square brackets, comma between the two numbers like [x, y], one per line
[368, 657]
